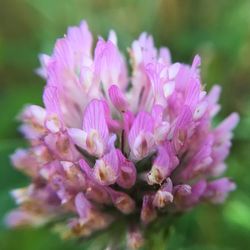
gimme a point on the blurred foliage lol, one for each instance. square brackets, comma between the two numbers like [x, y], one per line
[216, 29]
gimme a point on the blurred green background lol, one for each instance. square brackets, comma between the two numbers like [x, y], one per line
[219, 30]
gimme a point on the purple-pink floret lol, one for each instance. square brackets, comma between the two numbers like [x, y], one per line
[108, 144]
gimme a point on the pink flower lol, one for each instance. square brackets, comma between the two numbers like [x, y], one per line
[106, 145]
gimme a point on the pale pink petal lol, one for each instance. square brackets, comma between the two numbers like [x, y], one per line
[165, 55]
[44, 61]
[112, 37]
[78, 136]
[173, 70]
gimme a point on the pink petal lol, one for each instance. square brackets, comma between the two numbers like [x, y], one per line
[164, 195]
[229, 123]
[106, 169]
[78, 136]
[165, 55]
[96, 128]
[80, 38]
[94, 119]
[173, 70]
[182, 127]
[83, 206]
[117, 98]
[196, 63]
[140, 137]
[44, 61]
[148, 212]
[112, 37]
[218, 190]
[182, 190]
[127, 176]
[109, 64]
[122, 201]
[192, 94]
[160, 169]
[86, 168]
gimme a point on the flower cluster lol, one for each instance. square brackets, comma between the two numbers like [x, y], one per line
[108, 145]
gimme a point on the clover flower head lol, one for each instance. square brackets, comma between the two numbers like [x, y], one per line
[108, 145]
